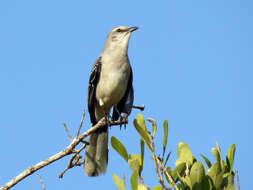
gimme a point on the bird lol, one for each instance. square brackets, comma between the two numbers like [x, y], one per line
[110, 86]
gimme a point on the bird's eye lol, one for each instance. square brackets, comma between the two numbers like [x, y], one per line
[118, 30]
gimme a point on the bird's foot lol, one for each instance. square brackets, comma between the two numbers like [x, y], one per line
[107, 120]
[123, 119]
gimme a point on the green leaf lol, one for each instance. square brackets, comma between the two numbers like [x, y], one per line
[186, 181]
[178, 170]
[216, 174]
[142, 154]
[216, 154]
[181, 186]
[223, 164]
[157, 188]
[134, 162]
[218, 148]
[197, 175]
[230, 182]
[119, 147]
[214, 170]
[135, 156]
[228, 178]
[169, 176]
[141, 187]
[230, 157]
[184, 154]
[118, 182]
[143, 133]
[134, 181]
[231, 187]
[206, 184]
[153, 125]
[165, 136]
[141, 121]
[208, 163]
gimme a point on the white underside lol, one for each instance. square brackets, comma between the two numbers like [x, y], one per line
[112, 85]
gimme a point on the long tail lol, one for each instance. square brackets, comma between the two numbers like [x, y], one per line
[96, 154]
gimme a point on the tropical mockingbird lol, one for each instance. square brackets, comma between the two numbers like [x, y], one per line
[110, 85]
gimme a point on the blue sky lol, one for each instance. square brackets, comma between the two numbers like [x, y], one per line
[192, 64]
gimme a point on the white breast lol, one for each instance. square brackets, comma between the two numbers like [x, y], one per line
[113, 82]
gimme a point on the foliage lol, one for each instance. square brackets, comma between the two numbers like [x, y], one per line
[188, 173]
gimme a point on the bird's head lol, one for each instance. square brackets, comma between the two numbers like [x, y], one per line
[119, 38]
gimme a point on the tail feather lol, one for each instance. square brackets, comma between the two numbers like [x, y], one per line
[96, 155]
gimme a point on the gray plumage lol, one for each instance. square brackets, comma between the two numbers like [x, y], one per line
[110, 85]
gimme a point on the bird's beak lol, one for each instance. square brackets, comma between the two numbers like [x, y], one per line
[131, 29]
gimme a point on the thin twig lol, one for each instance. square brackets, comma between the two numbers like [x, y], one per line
[143, 182]
[160, 179]
[66, 151]
[237, 180]
[81, 124]
[42, 183]
[161, 172]
[71, 164]
[124, 179]
[66, 129]
[142, 107]
[141, 179]
[85, 142]
[170, 178]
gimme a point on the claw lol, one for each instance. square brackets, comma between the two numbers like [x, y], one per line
[107, 119]
[123, 119]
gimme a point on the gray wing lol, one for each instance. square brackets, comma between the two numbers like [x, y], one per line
[93, 81]
[126, 103]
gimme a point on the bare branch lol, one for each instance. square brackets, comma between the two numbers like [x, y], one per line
[81, 124]
[159, 177]
[170, 178]
[76, 163]
[237, 180]
[42, 183]
[142, 107]
[66, 129]
[143, 182]
[66, 151]
[124, 179]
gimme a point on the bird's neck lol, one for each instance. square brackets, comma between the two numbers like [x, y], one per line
[115, 51]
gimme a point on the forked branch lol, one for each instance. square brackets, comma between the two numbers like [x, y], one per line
[66, 151]
[70, 149]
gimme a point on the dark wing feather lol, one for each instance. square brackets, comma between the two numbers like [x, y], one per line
[126, 103]
[93, 81]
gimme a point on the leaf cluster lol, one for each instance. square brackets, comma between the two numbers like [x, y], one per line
[187, 174]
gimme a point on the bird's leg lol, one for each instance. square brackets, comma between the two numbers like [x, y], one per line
[106, 114]
[122, 118]
[107, 119]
